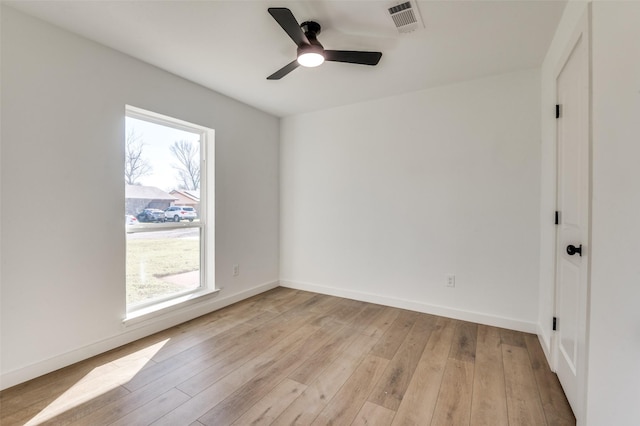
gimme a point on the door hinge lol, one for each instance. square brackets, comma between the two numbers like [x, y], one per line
[555, 324]
[557, 110]
[557, 218]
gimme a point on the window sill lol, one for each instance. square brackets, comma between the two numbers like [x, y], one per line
[159, 309]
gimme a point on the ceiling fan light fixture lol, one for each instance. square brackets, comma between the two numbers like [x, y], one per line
[310, 59]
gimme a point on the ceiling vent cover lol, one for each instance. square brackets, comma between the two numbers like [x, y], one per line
[406, 16]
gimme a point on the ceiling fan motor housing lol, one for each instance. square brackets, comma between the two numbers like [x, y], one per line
[310, 28]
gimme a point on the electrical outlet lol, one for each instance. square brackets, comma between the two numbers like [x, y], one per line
[451, 280]
[236, 270]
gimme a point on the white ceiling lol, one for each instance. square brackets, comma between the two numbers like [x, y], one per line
[232, 46]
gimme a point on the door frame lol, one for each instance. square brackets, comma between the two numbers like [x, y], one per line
[582, 31]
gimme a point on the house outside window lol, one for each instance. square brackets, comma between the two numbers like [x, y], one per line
[186, 197]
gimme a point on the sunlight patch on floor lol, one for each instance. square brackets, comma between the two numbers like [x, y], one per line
[99, 381]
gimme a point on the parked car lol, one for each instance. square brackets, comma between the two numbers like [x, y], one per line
[151, 215]
[130, 220]
[178, 213]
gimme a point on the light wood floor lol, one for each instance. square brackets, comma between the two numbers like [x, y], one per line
[292, 357]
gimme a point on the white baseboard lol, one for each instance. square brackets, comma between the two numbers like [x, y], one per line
[412, 305]
[129, 334]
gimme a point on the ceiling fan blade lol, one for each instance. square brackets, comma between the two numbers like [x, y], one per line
[284, 71]
[287, 21]
[353, 57]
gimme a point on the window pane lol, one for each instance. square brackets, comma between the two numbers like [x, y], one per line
[161, 157]
[161, 264]
[165, 231]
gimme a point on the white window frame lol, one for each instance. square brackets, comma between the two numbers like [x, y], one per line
[205, 224]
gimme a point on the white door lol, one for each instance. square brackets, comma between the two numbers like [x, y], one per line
[573, 204]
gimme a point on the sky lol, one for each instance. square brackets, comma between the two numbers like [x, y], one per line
[157, 140]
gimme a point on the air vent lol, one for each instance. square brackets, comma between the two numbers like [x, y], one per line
[406, 16]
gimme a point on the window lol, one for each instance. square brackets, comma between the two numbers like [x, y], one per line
[169, 245]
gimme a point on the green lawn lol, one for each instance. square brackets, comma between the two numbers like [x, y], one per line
[151, 260]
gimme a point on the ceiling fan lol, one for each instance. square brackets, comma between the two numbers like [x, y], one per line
[310, 51]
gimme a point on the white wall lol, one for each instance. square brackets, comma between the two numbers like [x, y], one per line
[550, 68]
[614, 344]
[380, 200]
[63, 99]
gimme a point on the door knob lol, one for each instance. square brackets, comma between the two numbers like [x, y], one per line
[571, 250]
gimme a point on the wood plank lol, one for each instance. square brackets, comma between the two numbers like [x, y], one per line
[315, 398]
[318, 303]
[207, 352]
[464, 342]
[224, 360]
[33, 396]
[512, 338]
[154, 409]
[293, 302]
[345, 310]
[382, 322]
[268, 300]
[373, 415]
[138, 398]
[323, 357]
[227, 411]
[94, 390]
[419, 400]
[454, 401]
[203, 329]
[390, 389]
[554, 402]
[42, 413]
[190, 336]
[119, 408]
[217, 391]
[366, 316]
[226, 363]
[391, 340]
[203, 371]
[523, 399]
[489, 402]
[320, 311]
[45, 389]
[265, 411]
[245, 347]
[208, 342]
[345, 405]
